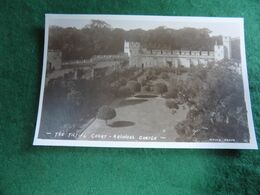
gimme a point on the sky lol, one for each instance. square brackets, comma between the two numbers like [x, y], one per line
[219, 26]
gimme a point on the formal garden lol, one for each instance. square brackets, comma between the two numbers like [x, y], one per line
[178, 104]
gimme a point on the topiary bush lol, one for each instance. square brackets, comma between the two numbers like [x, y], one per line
[160, 88]
[124, 92]
[142, 80]
[150, 74]
[146, 88]
[106, 113]
[122, 81]
[134, 86]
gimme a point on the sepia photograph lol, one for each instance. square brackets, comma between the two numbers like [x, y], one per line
[144, 82]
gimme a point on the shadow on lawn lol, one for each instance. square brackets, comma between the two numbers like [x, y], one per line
[121, 124]
[131, 102]
[145, 96]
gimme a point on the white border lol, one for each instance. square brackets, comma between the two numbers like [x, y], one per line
[137, 144]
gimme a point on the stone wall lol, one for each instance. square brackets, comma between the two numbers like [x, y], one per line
[143, 57]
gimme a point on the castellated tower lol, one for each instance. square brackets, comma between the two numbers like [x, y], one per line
[223, 51]
[127, 48]
[132, 49]
[227, 46]
[219, 52]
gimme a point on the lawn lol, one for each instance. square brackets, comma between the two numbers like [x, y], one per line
[138, 119]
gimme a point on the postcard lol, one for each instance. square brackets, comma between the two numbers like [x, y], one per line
[144, 82]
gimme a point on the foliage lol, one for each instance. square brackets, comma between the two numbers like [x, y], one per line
[146, 88]
[142, 80]
[172, 93]
[115, 85]
[124, 92]
[106, 113]
[219, 109]
[134, 86]
[164, 75]
[183, 129]
[122, 81]
[171, 104]
[150, 74]
[71, 102]
[118, 83]
[99, 38]
[160, 88]
[176, 87]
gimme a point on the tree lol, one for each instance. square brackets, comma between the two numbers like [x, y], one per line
[124, 91]
[100, 38]
[122, 81]
[97, 24]
[146, 88]
[106, 113]
[172, 89]
[142, 80]
[134, 86]
[161, 88]
[219, 109]
[150, 74]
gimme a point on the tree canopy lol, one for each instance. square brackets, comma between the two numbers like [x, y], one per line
[100, 38]
[219, 110]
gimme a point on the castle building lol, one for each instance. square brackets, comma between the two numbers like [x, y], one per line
[137, 56]
[227, 46]
[142, 57]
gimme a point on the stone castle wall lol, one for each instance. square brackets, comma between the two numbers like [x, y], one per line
[143, 57]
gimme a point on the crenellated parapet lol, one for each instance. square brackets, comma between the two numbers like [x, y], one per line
[180, 53]
[150, 57]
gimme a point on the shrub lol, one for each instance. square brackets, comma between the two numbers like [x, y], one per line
[164, 75]
[157, 71]
[180, 129]
[175, 87]
[183, 129]
[150, 74]
[115, 84]
[142, 80]
[124, 92]
[180, 100]
[160, 88]
[68, 76]
[81, 73]
[106, 113]
[146, 88]
[122, 81]
[136, 73]
[171, 104]
[152, 77]
[134, 86]
[171, 94]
